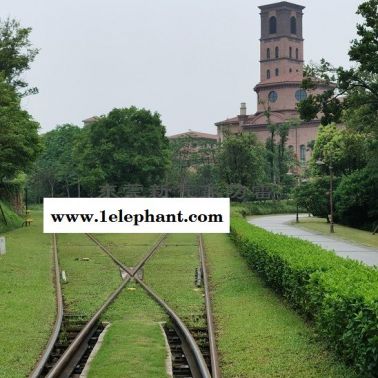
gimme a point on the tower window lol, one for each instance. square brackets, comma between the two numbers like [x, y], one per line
[272, 25]
[277, 52]
[277, 72]
[302, 152]
[272, 96]
[267, 53]
[293, 25]
[268, 74]
[290, 52]
[296, 54]
[300, 95]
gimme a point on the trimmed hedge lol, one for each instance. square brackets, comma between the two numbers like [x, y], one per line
[339, 295]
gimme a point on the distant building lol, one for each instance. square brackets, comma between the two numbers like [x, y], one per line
[281, 74]
[90, 120]
[194, 148]
[196, 137]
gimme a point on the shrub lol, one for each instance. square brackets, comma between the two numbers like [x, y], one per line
[339, 295]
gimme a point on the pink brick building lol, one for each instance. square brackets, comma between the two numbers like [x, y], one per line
[281, 74]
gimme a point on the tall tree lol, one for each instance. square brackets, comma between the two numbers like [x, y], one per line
[56, 167]
[19, 141]
[16, 54]
[353, 88]
[240, 160]
[128, 146]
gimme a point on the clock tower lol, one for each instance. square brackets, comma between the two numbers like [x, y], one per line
[281, 57]
[279, 89]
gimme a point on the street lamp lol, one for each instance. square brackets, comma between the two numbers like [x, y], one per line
[321, 162]
[297, 179]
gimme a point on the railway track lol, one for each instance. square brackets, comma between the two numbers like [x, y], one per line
[65, 365]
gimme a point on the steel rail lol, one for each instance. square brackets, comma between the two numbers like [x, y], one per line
[215, 370]
[71, 356]
[199, 369]
[62, 367]
[197, 364]
[192, 352]
[130, 272]
[59, 315]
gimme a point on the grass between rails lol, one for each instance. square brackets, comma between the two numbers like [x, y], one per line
[89, 282]
[171, 274]
[27, 298]
[257, 334]
[134, 345]
[341, 232]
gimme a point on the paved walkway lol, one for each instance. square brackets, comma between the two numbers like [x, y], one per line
[279, 224]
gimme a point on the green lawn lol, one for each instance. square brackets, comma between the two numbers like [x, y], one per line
[258, 335]
[342, 232]
[171, 274]
[134, 343]
[91, 275]
[27, 298]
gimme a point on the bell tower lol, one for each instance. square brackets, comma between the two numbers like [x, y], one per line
[281, 57]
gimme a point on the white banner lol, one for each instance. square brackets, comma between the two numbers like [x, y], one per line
[136, 215]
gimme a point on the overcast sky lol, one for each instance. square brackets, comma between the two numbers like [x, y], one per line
[193, 61]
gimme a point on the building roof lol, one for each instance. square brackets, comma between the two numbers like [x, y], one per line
[194, 134]
[228, 121]
[281, 4]
[90, 119]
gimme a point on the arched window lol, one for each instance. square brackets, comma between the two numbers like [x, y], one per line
[293, 25]
[272, 25]
[277, 71]
[302, 152]
[277, 52]
[296, 54]
[267, 53]
[290, 52]
[268, 74]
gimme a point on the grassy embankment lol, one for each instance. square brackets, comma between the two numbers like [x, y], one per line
[258, 335]
[343, 232]
[11, 221]
[27, 298]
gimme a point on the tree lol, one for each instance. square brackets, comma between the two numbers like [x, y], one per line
[128, 146]
[19, 141]
[351, 98]
[192, 163]
[359, 84]
[343, 148]
[240, 160]
[313, 195]
[356, 200]
[16, 54]
[56, 167]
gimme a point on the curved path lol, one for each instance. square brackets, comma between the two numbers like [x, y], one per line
[279, 224]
